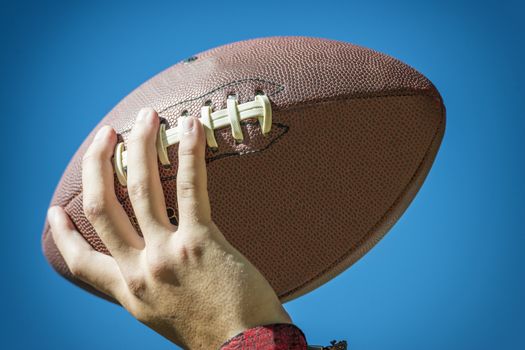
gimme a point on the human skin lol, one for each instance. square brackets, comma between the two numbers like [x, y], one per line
[186, 282]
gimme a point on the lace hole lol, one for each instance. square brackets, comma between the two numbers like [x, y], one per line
[189, 59]
[164, 121]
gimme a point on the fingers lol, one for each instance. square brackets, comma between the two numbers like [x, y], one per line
[144, 186]
[97, 269]
[192, 192]
[101, 206]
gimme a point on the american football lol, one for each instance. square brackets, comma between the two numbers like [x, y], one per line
[315, 148]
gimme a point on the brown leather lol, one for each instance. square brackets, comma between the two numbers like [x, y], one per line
[354, 135]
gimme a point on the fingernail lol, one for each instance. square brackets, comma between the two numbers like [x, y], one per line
[51, 213]
[101, 133]
[188, 124]
[140, 115]
[146, 114]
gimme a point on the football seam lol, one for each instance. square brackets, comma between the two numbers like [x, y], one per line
[352, 96]
[362, 246]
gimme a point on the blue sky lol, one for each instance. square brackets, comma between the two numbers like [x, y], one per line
[448, 275]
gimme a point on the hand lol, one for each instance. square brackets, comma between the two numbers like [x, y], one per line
[187, 282]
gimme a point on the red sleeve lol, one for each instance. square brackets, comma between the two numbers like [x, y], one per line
[279, 336]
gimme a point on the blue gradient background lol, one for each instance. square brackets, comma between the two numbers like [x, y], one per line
[450, 274]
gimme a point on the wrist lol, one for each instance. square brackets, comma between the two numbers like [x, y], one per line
[268, 337]
[267, 317]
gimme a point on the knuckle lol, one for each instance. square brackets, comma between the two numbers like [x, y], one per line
[136, 310]
[148, 110]
[190, 248]
[138, 189]
[136, 138]
[143, 316]
[75, 264]
[188, 149]
[186, 188]
[75, 270]
[141, 134]
[93, 207]
[92, 156]
[158, 266]
[136, 284]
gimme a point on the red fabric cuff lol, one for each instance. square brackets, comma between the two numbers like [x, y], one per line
[278, 336]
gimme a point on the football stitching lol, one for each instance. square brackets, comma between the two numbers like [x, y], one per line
[279, 89]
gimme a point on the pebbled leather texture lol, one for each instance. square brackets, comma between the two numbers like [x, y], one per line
[354, 135]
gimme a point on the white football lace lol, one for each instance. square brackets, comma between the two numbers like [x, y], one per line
[259, 108]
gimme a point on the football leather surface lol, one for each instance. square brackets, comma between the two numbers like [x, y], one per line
[353, 135]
